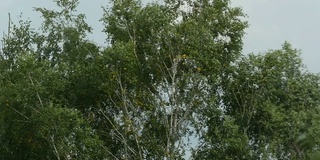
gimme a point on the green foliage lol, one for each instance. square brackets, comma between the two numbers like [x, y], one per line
[67, 134]
[172, 74]
[273, 101]
[315, 156]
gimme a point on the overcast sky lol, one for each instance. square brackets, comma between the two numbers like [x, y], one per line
[271, 23]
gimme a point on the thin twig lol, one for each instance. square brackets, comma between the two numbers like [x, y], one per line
[54, 147]
[38, 96]
[20, 113]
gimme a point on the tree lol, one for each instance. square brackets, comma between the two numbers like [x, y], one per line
[271, 100]
[171, 74]
[36, 121]
[164, 60]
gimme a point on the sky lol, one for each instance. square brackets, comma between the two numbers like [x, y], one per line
[272, 22]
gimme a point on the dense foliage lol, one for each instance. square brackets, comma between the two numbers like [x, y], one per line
[171, 83]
